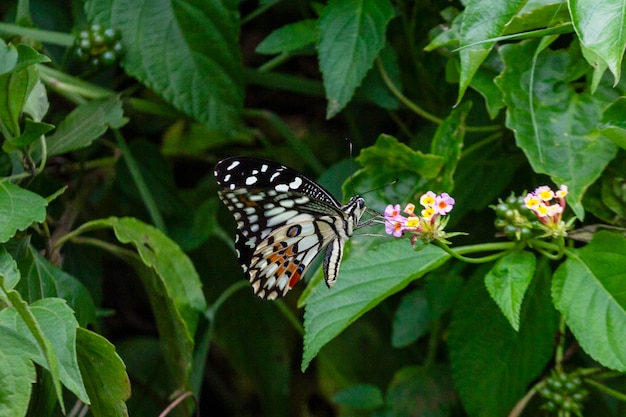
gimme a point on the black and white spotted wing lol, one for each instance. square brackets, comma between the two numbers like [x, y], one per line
[284, 220]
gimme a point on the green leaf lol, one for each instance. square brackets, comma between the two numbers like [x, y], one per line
[352, 33]
[86, 123]
[374, 87]
[411, 320]
[588, 290]
[15, 88]
[448, 143]
[58, 325]
[613, 123]
[20, 208]
[32, 132]
[17, 373]
[363, 283]
[556, 127]
[507, 282]
[13, 59]
[424, 392]
[482, 20]
[290, 38]
[600, 28]
[172, 285]
[195, 64]
[491, 363]
[360, 396]
[104, 374]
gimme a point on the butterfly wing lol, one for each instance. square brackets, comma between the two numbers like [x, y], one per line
[283, 221]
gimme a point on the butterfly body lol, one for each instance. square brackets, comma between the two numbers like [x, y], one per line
[284, 220]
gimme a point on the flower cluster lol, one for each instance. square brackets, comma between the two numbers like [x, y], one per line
[427, 225]
[548, 206]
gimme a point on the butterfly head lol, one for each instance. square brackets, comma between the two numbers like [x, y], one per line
[355, 210]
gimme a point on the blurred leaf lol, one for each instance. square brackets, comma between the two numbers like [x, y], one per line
[491, 364]
[482, 82]
[290, 37]
[360, 396]
[20, 208]
[363, 283]
[15, 87]
[600, 28]
[507, 282]
[86, 123]
[104, 374]
[424, 392]
[552, 122]
[183, 138]
[441, 287]
[17, 372]
[411, 319]
[195, 64]
[41, 279]
[588, 291]
[352, 33]
[374, 87]
[448, 143]
[482, 20]
[8, 271]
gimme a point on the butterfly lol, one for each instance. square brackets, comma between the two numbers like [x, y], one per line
[284, 220]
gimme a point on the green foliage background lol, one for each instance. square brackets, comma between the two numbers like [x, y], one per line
[120, 293]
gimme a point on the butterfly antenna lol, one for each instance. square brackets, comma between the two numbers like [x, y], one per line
[351, 167]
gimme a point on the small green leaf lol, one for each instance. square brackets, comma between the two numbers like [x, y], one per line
[491, 364]
[31, 133]
[600, 27]
[352, 33]
[15, 88]
[20, 208]
[290, 38]
[360, 396]
[411, 320]
[362, 284]
[86, 123]
[8, 269]
[13, 59]
[588, 289]
[104, 374]
[448, 143]
[507, 282]
[424, 392]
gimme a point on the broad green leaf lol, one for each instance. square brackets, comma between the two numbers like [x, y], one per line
[448, 143]
[19, 209]
[17, 373]
[290, 37]
[411, 319]
[554, 124]
[363, 283]
[482, 20]
[193, 59]
[613, 123]
[600, 26]
[352, 33]
[588, 289]
[360, 396]
[418, 391]
[20, 318]
[538, 14]
[492, 364]
[58, 325]
[85, 124]
[173, 288]
[482, 82]
[41, 279]
[104, 374]
[507, 282]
